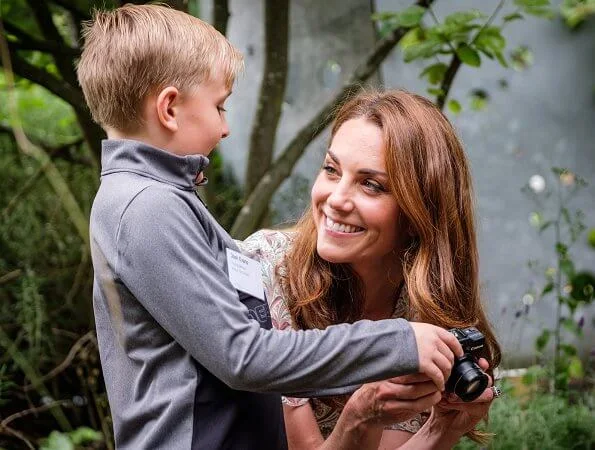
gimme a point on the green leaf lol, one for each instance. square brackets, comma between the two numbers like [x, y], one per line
[408, 18]
[463, 17]
[454, 106]
[561, 249]
[435, 73]
[583, 286]
[468, 55]
[57, 441]
[567, 267]
[591, 237]
[501, 59]
[542, 340]
[412, 37]
[521, 58]
[547, 289]
[576, 12]
[511, 17]
[575, 368]
[571, 326]
[569, 350]
[479, 99]
[538, 8]
[437, 92]
[490, 38]
[411, 16]
[425, 49]
[83, 435]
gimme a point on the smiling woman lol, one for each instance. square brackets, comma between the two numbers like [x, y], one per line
[389, 233]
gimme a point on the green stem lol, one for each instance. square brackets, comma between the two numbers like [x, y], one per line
[36, 380]
[558, 286]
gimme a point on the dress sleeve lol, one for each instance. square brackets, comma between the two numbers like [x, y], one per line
[412, 425]
[268, 247]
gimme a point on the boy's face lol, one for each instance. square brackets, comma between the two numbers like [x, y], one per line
[201, 119]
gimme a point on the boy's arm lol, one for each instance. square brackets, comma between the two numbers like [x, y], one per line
[166, 261]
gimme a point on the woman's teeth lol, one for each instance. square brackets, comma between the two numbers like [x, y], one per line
[341, 227]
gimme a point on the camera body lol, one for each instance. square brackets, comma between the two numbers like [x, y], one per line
[467, 380]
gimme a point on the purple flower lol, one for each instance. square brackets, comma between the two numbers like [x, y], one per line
[581, 322]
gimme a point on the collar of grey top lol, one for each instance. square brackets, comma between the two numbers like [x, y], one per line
[124, 155]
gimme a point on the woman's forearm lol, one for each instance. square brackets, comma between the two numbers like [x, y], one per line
[432, 437]
[352, 433]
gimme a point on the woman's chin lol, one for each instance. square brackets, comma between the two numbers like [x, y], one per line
[335, 256]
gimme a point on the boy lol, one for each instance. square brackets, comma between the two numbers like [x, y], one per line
[178, 346]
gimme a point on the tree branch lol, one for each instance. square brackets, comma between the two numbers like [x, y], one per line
[449, 76]
[260, 197]
[28, 42]
[77, 12]
[53, 84]
[455, 62]
[44, 18]
[272, 92]
[221, 15]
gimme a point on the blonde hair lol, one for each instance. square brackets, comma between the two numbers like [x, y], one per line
[137, 50]
[430, 180]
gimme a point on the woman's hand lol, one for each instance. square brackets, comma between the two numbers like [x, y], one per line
[459, 417]
[391, 401]
[450, 419]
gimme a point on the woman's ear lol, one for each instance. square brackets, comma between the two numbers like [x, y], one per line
[166, 103]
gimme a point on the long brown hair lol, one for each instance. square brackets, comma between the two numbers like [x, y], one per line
[430, 180]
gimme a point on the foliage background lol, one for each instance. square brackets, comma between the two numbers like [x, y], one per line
[51, 392]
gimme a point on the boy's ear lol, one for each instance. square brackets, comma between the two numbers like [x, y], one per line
[166, 104]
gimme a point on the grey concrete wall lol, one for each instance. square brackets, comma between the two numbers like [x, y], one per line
[544, 117]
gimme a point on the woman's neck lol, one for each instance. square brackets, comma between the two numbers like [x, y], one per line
[380, 288]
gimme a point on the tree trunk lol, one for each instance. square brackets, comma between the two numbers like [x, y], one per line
[272, 92]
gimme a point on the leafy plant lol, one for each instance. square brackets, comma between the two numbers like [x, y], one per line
[575, 12]
[568, 287]
[542, 422]
[464, 37]
[71, 440]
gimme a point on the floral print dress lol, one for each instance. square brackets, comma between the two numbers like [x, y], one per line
[269, 247]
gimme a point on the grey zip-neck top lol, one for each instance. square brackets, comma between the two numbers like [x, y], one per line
[189, 362]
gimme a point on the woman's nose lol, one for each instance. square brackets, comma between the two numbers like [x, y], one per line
[340, 198]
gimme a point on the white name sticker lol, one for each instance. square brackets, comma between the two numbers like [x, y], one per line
[245, 274]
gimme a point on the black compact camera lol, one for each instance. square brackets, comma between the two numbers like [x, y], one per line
[467, 380]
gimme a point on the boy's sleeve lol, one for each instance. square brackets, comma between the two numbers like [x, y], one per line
[166, 261]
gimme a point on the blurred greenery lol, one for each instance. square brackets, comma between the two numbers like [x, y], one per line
[540, 422]
[50, 378]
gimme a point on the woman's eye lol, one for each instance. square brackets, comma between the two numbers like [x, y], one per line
[329, 169]
[221, 109]
[373, 186]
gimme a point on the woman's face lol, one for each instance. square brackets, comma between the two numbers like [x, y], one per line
[354, 213]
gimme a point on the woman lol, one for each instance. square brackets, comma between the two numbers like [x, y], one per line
[389, 233]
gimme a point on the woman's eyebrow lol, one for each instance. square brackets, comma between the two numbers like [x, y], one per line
[360, 171]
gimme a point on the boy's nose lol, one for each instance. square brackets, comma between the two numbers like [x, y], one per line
[225, 130]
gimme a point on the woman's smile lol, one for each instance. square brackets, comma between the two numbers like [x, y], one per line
[340, 228]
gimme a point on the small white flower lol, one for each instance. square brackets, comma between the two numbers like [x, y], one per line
[528, 299]
[537, 183]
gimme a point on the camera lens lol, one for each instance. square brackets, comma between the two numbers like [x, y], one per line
[467, 380]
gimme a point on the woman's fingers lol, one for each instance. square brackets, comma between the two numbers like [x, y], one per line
[393, 408]
[410, 391]
[413, 378]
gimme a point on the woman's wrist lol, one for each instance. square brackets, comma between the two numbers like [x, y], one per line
[354, 430]
[436, 434]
